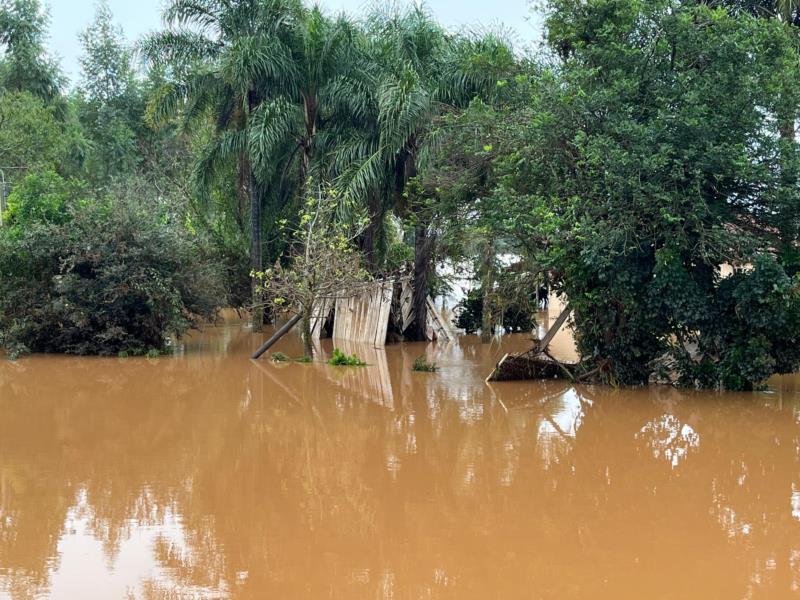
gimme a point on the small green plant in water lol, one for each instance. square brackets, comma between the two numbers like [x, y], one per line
[153, 353]
[340, 359]
[422, 364]
[303, 359]
[279, 357]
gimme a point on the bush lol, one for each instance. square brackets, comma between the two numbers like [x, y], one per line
[43, 197]
[340, 359]
[750, 333]
[117, 278]
[280, 357]
[422, 364]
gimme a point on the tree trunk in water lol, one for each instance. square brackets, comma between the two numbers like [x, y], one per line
[487, 286]
[308, 345]
[256, 262]
[423, 254]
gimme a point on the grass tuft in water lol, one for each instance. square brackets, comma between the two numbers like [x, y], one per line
[422, 364]
[340, 359]
[279, 357]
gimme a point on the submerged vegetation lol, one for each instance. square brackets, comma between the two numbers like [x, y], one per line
[421, 364]
[340, 359]
[267, 155]
[281, 357]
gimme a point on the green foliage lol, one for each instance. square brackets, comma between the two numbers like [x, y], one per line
[653, 157]
[25, 66]
[421, 364]
[42, 198]
[749, 331]
[110, 105]
[121, 276]
[340, 359]
[31, 138]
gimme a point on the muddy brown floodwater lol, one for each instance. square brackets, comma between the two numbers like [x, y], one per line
[206, 475]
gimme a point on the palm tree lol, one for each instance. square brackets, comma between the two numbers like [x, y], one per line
[321, 92]
[225, 58]
[422, 73]
[272, 74]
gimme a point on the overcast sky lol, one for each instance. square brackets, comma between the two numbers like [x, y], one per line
[70, 17]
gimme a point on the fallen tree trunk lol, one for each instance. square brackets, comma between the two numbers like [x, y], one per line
[276, 336]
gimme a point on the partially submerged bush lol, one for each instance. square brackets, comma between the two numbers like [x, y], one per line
[751, 331]
[422, 364]
[116, 278]
[340, 359]
[280, 357]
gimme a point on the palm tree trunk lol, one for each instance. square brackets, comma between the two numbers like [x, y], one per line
[423, 255]
[241, 195]
[369, 239]
[307, 145]
[256, 261]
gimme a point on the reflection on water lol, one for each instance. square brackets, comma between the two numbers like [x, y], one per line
[669, 439]
[206, 475]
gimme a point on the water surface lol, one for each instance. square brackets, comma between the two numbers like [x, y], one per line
[206, 475]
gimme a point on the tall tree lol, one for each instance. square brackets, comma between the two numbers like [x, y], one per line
[26, 66]
[111, 107]
[224, 59]
[424, 73]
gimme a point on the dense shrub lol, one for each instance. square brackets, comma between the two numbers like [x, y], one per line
[42, 197]
[750, 329]
[115, 277]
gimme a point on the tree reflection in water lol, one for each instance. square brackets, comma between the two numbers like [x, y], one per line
[669, 439]
[208, 476]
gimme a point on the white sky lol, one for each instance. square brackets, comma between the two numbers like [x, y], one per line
[137, 17]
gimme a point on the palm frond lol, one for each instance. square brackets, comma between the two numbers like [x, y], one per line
[272, 125]
[170, 48]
